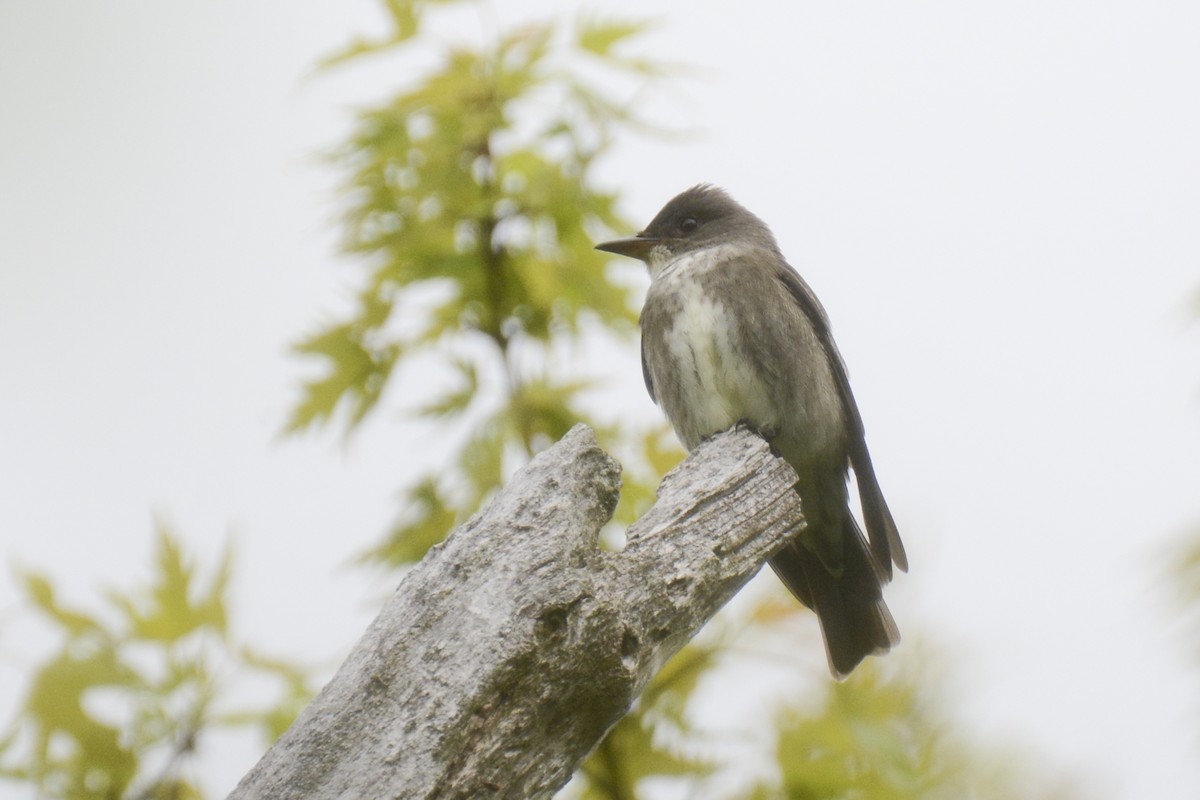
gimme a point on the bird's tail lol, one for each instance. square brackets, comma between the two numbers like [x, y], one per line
[854, 619]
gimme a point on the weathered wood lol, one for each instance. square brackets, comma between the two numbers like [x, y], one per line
[510, 650]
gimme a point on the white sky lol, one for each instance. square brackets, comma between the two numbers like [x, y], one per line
[998, 204]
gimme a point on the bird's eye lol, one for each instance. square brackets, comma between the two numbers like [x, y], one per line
[689, 224]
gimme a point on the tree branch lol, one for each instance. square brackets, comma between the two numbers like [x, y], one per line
[513, 647]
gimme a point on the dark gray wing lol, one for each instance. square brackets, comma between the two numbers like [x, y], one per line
[881, 528]
[646, 371]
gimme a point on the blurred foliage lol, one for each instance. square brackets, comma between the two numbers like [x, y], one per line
[1182, 568]
[473, 214]
[1185, 563]
[883, 734]
[655, 739]
[119, 709]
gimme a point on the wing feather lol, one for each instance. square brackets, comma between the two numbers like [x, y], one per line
[646, 371]
[881, 528]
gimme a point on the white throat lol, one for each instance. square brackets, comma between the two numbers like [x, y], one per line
[663, 264]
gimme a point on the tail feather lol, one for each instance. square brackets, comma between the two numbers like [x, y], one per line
[854, 619]
[885, 539]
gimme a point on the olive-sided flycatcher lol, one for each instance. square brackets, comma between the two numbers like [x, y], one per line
[732, 334]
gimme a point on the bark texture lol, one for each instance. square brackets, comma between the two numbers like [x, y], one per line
[510, 650]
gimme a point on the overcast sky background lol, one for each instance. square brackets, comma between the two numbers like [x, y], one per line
[999, 205]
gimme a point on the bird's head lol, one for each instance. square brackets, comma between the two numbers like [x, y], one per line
[701, 217]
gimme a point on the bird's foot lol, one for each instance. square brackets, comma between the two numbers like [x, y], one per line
[765, 431]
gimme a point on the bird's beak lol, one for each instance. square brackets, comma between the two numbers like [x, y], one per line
[632, 246]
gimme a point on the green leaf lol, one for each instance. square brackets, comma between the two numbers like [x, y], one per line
[355, 376]
[599, 37]
[541, 410]
[275, 718]
[632, 753]
[481, 462]
[876, 737]
[456, 400]
[425, 518]
[520, 56]
[56, 715]
[40, 591]
[646, 459]
[640, 746]
[673, 686]
[157, 668]
[168, 611]
[405, 24]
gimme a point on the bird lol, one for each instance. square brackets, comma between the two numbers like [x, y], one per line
[731, 334]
